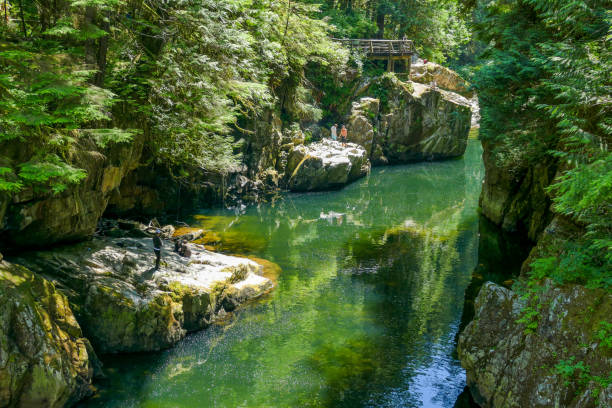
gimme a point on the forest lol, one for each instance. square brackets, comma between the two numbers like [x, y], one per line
[190, 73]
[194, 80]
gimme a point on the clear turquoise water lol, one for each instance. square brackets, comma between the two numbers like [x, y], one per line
[365, 311]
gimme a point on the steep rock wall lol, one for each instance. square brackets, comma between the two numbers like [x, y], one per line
[508, 366]
[35, 218]
[515, 197]
[401, 122]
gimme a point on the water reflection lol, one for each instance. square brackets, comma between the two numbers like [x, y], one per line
[367, 303]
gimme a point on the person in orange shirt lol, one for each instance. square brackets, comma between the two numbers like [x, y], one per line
[343, 135]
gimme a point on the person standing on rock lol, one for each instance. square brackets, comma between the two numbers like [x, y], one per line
[157, 247]
[334, 130]
[343, 135]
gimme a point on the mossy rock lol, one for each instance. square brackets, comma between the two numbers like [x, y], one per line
[44, 359]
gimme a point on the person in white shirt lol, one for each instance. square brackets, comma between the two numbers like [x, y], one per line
[334, 134]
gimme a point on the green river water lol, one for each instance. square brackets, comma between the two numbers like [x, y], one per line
[364, 313]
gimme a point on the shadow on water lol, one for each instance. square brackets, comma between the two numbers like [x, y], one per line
[500, 257]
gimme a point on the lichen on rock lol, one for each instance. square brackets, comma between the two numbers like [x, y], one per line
[44, 358]
[509, 366]
[125, 305]
[325, 165]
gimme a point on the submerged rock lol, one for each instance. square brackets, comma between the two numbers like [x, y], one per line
[44, 359]
[125, 305]
[554, 364]
[325, 165]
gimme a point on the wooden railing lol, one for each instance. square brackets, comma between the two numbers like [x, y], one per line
[379, 48]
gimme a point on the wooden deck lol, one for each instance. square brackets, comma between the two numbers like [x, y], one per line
[390, 50]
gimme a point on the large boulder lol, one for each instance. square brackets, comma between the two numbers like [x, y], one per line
[34, 217]
[325, 165]
[409, 122]
[554, 363]
[423, 123]
[124, 305]
[363, 122]
[44, 359]
[444, 78]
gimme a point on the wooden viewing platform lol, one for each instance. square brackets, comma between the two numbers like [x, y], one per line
[390, 50]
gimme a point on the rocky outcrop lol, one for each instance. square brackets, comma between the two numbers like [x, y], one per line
[409, 122]
[44, 359]
[555, 364]
[422, 123]
[32, 217]
[325, 165]
[124, 305]
[514, 196]
[443, 77]
[154, 190]
[363, 122]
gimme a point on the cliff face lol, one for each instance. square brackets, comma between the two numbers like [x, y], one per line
[409, 122]
[556, 365]
[515, 198]
[548, 349]
[35, 218]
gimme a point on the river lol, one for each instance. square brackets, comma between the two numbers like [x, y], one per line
[366, 308]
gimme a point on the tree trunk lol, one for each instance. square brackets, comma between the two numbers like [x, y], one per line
[102, 50]
[23, 26]
[287, 22]
[90, 44]
[380, 22]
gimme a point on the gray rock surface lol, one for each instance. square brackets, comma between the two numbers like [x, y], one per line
[124, 305]
[325, 165]
[423, 123]
[44, 359]
[412, 122]
[445, 78]
[363, 121]
[514, 195]
[507, 366]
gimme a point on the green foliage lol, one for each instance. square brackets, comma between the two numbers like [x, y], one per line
[437, 27]
[530, 319]
[579, 374]
[544, 87]
[604, 334]
[569, 370]
[192, 75]
[50, 170]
